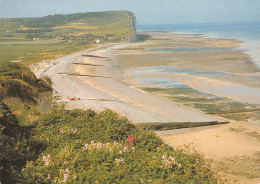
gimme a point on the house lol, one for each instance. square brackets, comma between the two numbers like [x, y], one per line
[98, 41]
[110, 36]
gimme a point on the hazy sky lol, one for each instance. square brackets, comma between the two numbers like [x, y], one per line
[146, 11]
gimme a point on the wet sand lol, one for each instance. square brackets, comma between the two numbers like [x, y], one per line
[216, 67]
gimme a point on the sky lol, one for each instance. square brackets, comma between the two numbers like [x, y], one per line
[148, 12]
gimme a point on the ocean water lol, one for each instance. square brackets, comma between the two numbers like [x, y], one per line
[248, 32]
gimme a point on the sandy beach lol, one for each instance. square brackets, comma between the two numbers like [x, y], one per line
[212, 66]
[102, 90]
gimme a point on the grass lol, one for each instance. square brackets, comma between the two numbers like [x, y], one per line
[18, 81]
[242, 166]
[32, 52]
[15, 45]
[255, 135]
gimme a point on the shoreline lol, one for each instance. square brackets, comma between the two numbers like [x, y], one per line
[100, 93]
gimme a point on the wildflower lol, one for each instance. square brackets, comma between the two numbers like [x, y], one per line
[163, 157]
[120, 152]
[36, 118]
[46, 160]
[130, 140]
[74, 130]
[85, 147]
[133, 148]
[66, 175]
[172, 159]
[125, 148]
[61, 130]
[117, 160]
[18, 112]
[32, 118]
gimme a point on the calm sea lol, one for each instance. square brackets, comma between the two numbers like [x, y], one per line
[248, 32]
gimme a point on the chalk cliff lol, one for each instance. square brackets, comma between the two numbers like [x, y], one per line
[132, 37]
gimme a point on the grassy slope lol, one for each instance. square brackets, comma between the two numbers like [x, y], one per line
[17, 80]
[86, 147]
[15, 46]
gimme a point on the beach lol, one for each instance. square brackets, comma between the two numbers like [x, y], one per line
[139, 81]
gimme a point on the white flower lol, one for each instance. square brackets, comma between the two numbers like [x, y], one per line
[47, 160]
[125, 148]
[172, 159]
[66, 175]
[117, 160]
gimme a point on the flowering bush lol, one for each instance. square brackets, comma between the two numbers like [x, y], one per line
[85, 147]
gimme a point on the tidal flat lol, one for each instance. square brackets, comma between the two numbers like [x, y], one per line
[208, 74]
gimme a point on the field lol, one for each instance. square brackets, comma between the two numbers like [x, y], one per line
[30, 52]
[36, 39]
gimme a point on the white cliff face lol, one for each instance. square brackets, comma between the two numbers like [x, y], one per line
[132, 37]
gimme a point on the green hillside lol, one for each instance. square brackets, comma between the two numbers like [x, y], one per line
[30, 40]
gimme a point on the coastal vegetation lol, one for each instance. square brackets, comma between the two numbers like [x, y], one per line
[18, 81]
[77, 146]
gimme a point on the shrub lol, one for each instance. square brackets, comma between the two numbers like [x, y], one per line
[18, 81]
[14, 147]
[80, 146]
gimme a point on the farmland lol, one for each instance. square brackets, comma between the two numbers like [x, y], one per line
[30, 40]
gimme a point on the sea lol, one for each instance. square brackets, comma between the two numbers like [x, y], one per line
[247, 32]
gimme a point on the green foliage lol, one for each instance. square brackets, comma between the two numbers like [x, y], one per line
[14, 147]
[17, 80]
[77, 146]
[95, 18]
[87, 147]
